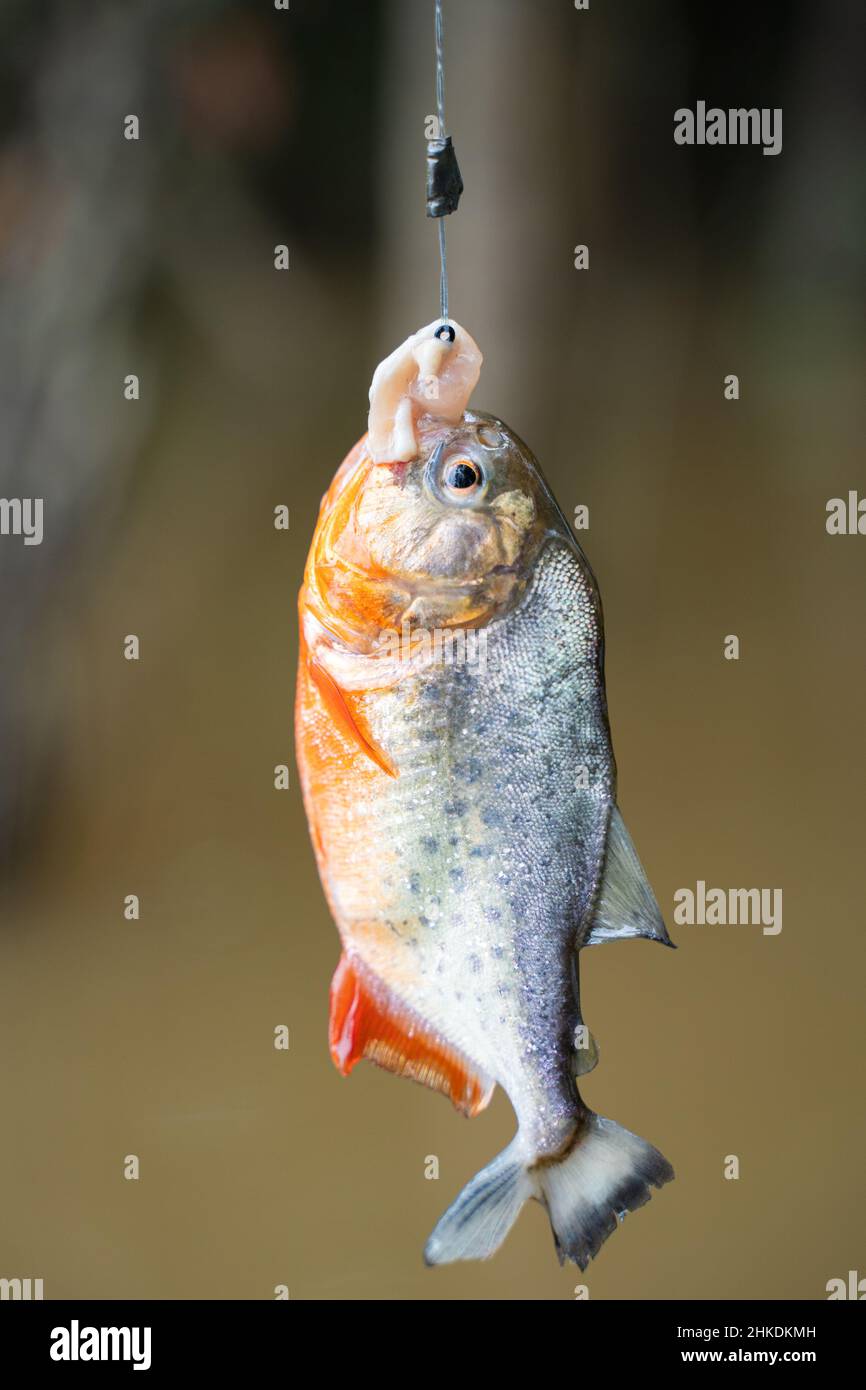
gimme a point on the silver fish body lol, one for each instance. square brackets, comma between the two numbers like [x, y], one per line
[499, 822]
[498, 845]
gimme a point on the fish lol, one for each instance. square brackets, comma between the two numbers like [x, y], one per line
[458, 776]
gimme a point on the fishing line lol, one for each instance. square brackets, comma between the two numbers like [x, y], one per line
[444, 184]
[440, 114]
[440, 71]
[443, 273]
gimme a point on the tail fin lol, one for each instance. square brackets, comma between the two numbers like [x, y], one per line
[476, 1224]
[606, 1172]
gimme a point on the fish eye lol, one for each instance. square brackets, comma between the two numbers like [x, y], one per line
[462, 475]
[455, 477]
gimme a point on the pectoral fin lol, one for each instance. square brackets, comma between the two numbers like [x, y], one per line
[343, 716]
[626, 904]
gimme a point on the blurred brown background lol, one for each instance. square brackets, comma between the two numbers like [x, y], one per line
[155, 1037]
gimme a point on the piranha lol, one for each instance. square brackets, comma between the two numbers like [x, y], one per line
[463, 810]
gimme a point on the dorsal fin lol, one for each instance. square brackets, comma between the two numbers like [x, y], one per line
[626, 904]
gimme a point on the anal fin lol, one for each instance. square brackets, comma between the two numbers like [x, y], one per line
[367, 1021]
[626, 904]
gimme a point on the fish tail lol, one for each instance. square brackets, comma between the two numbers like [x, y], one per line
[607, 1172]
[476, 1224]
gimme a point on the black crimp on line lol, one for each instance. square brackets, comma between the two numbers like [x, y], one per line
[444, 184]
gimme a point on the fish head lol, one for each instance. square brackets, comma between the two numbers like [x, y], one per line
[446, 539]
